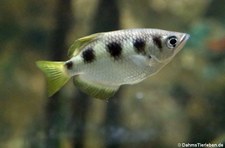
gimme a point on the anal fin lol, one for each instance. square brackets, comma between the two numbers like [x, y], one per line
[94, 89]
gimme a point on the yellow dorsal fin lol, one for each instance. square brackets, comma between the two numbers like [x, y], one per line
[76, 47]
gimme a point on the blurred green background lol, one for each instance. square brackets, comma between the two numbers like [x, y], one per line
[184, 102]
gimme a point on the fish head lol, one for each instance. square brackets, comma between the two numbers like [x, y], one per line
[166, 44]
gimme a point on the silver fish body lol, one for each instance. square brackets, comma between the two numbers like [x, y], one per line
[101, 62]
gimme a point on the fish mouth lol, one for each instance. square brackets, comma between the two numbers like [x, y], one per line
[184, 39]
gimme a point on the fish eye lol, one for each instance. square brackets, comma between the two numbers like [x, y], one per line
[171, 41]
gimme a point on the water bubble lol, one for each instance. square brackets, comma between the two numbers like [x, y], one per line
[139, 95]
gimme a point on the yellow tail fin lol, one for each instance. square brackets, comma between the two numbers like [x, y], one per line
[55, 73]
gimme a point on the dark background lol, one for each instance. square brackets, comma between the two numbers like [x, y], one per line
[184, 102]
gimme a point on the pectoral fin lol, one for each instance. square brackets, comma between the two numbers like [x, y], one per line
[139, 60]
[94, 89]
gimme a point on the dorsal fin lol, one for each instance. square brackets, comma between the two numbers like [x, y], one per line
[76, 47]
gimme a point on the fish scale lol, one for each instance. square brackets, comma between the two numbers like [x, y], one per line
[100, 63]
[120, 70]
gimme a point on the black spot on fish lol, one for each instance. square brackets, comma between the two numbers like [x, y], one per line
[139, 45]
[88, 55]
[69, 65]
[157, 41]
[114, 49]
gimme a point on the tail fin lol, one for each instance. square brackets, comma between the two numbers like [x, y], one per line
[55, 73]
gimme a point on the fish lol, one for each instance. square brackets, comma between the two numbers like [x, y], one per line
[100, 63]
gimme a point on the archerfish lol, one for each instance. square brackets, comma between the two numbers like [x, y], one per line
[100, 63]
